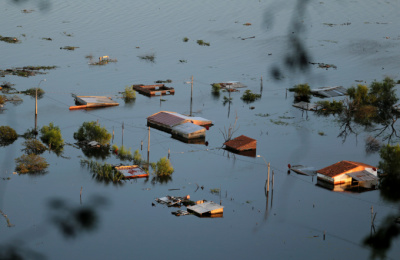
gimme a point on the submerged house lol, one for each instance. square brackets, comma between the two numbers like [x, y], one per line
[330, 91]
[154, 90]
[165, 120]
[242, 145]
[132, 172]
[92, 102]
[187, 131]
[206, 208]
[349, 173]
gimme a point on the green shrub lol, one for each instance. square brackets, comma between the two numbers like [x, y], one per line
[129, 93]
[122, 152]
[302, 91]
[30, 163]
[51, 135]
[248, 96]
[163, 167]
[2, 99]
[92, 131]
[216, 87]
[7, 135]
[137, 157]
[186, 39]
[33, 146]
[327, 108]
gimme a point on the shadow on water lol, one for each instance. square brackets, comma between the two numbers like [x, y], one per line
[70, 220]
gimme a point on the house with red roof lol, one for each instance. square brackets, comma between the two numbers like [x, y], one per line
[349, 173]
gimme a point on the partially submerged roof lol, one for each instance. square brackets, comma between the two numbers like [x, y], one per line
[341, 167]
[132, 171]
[152, 90]
[207, 207]
[93, 101]
[363, 176]
[304, 170]
[170, 119]
[188, 128]
[165, 118]
[231, 84]
[330, 91]
[306, 106]
[241, 143]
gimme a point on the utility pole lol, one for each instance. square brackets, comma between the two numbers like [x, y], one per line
[191, 95]
[36, 103]
[268, 178]
[122, 133]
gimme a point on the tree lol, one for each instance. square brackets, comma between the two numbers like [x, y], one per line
[7, 135]
[129, 94]
[92, 131]
[390, 166]
[31, 163]
[51, 135]
[383, 96]
[302, 92]
[163, 167]
[33, 146]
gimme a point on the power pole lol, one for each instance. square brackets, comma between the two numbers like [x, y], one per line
[148, 151]
[191, 95]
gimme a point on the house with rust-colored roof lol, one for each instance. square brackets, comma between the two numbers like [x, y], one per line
[348, 172]
[242, 145]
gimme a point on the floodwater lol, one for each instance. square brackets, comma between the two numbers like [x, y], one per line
[360, 38]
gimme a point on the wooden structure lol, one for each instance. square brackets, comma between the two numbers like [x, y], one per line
[206, 208]
[349, 172]
[154, 90]
[132, 172]
[92, 102]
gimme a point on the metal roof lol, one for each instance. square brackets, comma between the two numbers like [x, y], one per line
[96, 101]
[205, 207]
[330, 91]
[166, 118]
[363, 176]
[188, 128]
[306, 106]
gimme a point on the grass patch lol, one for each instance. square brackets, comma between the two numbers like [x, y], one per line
[148, 57]
[69, 48]
[203, 43]
[278, 122]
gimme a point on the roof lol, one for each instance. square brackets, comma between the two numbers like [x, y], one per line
[166, 118]
[188, 128]
[330, 91]
[130, 171]
[172, 118]
[306, 106]
[96, 101]
[363, 176]
[341, 167]
[241, 143]
[205, 207]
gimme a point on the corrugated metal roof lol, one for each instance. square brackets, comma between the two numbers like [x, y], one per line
[95, 100]
[363, 176]
[341, 167]
[241, 142]
[306, 106]
[330, 91]
[166, 118]
[188, 128]
[205, 207]
[130, 171]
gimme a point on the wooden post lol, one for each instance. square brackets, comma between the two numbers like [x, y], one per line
[261, 88]
[191, 95]
[324, 234]
[268, 177]
[141, 145]
[372, 216]
[169, 152]
[148, 150]
[36, 110]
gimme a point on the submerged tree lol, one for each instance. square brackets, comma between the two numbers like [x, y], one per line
[163, 167]
[33, 146]
[31, 163]
[51, 135]
[302, 92]
[7, 135]
[92, 131]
